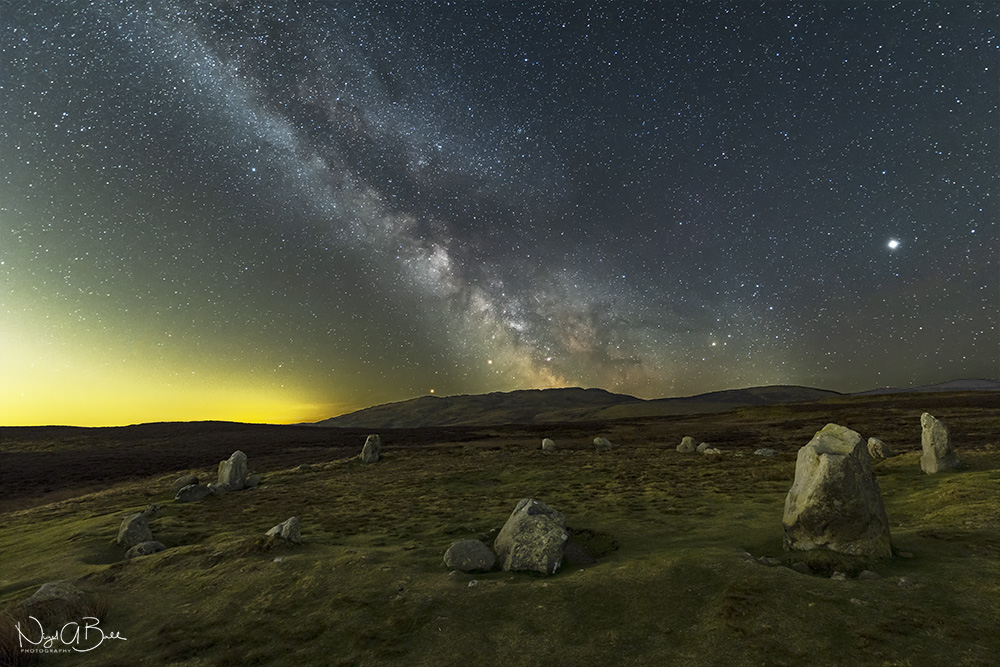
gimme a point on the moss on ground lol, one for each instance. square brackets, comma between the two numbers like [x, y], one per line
[672, 585]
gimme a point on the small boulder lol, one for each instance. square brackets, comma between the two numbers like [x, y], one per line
[372, 449]
[217, 489]
[835, 502]
[469, 556]
[711, 451]
[935, 439]
[548, 445]
[145, 549]
[702, 447]
[287, 530]
[233, 471]
[182, 481]
[687, 445]
[192, 493]
[59, 602]
[534, 538]
[134, 529]
[252, 481]
[878, 450]
[764, 451]
[602, 444]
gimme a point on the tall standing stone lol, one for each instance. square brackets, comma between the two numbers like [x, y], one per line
[534, 538]
[372, 449]
[233, 471]
[835, 502]
[936, 442]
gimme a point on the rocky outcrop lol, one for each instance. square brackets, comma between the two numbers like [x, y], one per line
[935, 439]
[372, 449]
[133, 530]
[534, 538]
[287, 530]
[469, 556]
[233, 471]
[687, 445]
[835, 502]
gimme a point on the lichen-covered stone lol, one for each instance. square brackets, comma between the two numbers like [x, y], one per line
[133, 530]
[534, 538]
[287, 530]
[878, 450]
[835, 502]
[548, 445]
[602, 444]
[372, 449]
[145, 549]
[469, 556]
[233, 471]
[935, 439]
[192, 493]
[687, 445]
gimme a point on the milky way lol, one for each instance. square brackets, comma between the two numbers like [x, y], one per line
[313, 207]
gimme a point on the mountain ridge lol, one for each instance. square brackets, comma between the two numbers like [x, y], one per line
[574, 404]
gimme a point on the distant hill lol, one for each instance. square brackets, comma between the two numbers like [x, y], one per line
[954, 385]
[559, 405]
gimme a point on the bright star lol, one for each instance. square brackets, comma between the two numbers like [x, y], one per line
[893, 244]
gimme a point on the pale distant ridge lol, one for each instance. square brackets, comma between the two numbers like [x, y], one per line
[975, 384]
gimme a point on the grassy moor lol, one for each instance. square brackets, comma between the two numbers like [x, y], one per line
[666, 568]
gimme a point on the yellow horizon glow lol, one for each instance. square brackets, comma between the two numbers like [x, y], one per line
[42, 384]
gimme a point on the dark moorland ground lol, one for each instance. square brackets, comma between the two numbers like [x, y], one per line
[670, 586]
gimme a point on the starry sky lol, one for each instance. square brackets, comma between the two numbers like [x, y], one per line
[283, 211]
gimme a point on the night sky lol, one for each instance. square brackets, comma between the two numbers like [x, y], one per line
[285, 211]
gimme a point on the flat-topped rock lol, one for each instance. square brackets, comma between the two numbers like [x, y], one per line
[835, 502]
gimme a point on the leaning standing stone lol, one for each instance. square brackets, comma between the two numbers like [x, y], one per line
[233, 471]
[469, 556]
[133, 530]
[372, 449]
[534, 538]
[936, 442]
[835, 502]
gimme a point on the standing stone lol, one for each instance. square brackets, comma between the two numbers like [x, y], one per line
[878, 450]
[233, 471]
[687, 445]
[548, 445]
[835, 502]
[192, 493]
[469, 556]
[372, 449]
[287, 530]
[133, 530]
[534, 538]
[602, 444]
[936, 442]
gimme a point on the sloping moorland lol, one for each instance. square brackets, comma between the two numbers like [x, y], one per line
[671, 585]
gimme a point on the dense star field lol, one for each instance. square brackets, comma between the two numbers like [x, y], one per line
[283, 211]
